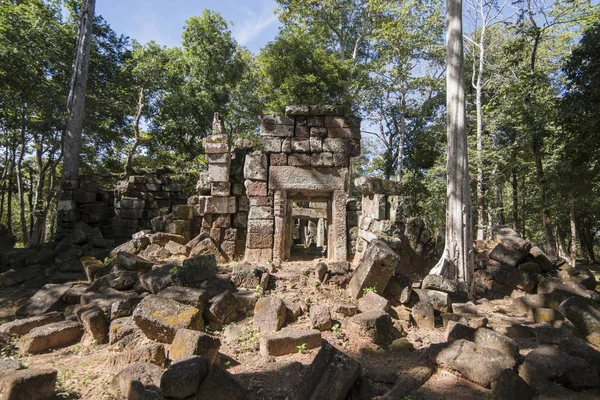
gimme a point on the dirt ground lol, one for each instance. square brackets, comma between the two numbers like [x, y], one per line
[84, 371]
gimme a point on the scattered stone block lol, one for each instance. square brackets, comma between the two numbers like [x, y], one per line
[189, 343]
[94, 322]
[52, 336]
[331, 375]
[547, 364]
[437, 282]
[585, 317]
[221, 385]
[192, 297]
[221, 308]
[138, 381]
[289, 341]
[481, 365]
[541, 259]
[30, 384]
[374, 326]
[345, 309]
[510, 386]
[153, 354]
[579, 348]
[249, 277]
[176, 249]
[269, 314]
[49, 298]
[7, 364]
[459, 330]
[423, 315]
[507, 255]
[489, 338]
[375, 270]
[22, 327]
[123, 308]
[320, 317]
[122, 328]
[131, 262]
[183, 377]
[371, 301]
[160, 318]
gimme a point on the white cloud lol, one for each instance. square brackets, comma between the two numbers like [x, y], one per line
[255, 23]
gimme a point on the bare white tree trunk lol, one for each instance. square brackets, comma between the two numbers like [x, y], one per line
[457, 260]
[573, 234]
[76, 99]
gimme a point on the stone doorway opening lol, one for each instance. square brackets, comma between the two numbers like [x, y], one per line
[309, 235]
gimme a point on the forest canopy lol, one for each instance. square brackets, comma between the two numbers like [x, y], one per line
[532, 73]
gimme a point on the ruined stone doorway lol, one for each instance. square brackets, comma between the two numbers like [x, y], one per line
[309, 232]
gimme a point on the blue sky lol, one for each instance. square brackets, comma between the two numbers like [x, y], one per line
[252, 22]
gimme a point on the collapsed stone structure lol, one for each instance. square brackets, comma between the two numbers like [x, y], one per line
[305, 157]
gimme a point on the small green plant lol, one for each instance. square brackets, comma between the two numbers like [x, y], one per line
[301, 348]
[259, 292]
[369, 289]
[174, 270]
[228, 364]
[316, 283]
[335, 327]
[306, 271]
[106, 261]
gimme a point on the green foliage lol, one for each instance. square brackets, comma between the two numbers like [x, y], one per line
[302, 348]
[369, 289]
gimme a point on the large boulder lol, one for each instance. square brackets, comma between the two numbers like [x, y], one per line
[48, 298]
[375, 270]
[160, 318]
[22, 327]
[131, 262]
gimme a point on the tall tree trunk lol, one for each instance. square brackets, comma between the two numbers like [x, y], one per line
[136, 131]
[588, 239]
[478, 86]
[546, 218]
[515, 201]
[561, 245]
[402, 136]
[76, 99]
[500, 198]
[573, 234]
[457, 260]
[4, 182]
[20, 177]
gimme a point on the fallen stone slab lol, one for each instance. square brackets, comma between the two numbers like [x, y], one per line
[375, 269]
[374, 326]
[541, 259]
[221, 385]
[190, 296]
[551, 285]
[138, 381]
[509, 238]
[160, 318]
[52, 336]
[131, 262]
[22, 327]
[585, 317]
[249, 277]
[188, 343]
[182, 379]
[507, 255]
[345, 309]
[192, 273]
[30, 384]
[269, 314]
[440, 301]
[162, 238]
[8, 364]
[153, 354]
[320, 317]
[481, 365]
[123, 328]
[548, 364]
[289, 341]
[408, 383]
[579, 348]
[371, 301]
[118, 280]
[368, 185]
[15, 277]
[48, 298]
[94, 322]
[105, 296]
[510, 386]
[329, 377]
[459, 330]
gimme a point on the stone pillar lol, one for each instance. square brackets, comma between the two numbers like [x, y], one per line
[280, 212]
[320, 233]
[289, 225]
[340, 243]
